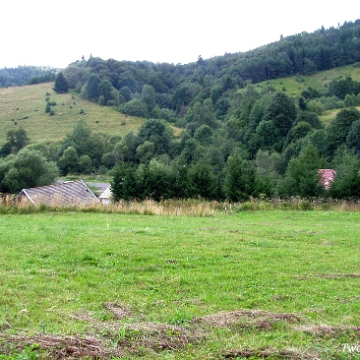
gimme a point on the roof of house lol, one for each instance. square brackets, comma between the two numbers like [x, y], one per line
[70, 193]
[106, 194]
[326, 177]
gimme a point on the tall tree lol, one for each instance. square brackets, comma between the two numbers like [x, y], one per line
[27, 169]
[93, 88]
[302, 177]
[282, 112]
[340, 126]
[15, 140]
[61, 85]
[154, 131]
[148, 96]
[240, 179]
[124, 185]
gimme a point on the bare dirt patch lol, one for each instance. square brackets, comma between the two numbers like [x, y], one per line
[332, 331]
[254, 318]
[158, 337]
[118, 311]
[60, 348]
[269, 353]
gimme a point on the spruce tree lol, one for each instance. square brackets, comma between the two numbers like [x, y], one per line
[61, 85]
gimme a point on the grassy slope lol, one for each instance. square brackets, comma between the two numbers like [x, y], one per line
[26, 106]
[296, 84]
[61, 268]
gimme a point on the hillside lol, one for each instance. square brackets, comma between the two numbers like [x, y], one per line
[25, 107]
[249, 123]
[294, 85]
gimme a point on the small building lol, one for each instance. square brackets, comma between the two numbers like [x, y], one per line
[69, 193]
[105, 197]
[327, 176]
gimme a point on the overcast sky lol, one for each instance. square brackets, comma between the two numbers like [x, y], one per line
[56, 33]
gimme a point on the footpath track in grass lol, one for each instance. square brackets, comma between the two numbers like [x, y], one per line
[271, 284]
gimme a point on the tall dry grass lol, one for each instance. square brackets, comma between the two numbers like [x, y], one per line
[190, 207]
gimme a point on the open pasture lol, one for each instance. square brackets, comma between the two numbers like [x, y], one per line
[270, 284]
[25, 107]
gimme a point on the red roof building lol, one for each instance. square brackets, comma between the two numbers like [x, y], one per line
[327, 176]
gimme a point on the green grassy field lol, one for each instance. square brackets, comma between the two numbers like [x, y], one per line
[294, 85]
[271, 284]
[25, 107]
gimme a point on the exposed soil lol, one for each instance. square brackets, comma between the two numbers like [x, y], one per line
[254, 318]
[118, 311]
[119, 339]
[333, 331]
[158, 337]
[56, 347]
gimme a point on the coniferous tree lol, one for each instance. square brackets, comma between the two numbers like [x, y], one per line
[61, 85]
[124, 185]
[302, 177]
[240, 179]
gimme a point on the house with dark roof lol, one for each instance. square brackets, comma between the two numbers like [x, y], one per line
[69, 193]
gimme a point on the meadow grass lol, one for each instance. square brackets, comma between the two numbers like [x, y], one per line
[25, 107]
[294, 85]
[252, 284]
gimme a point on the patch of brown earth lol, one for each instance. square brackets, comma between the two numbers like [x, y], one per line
[257, 318]
[157, 337]
[332, 331]
[5, 326]
[118, 311]
[60, 348]
[269, 353]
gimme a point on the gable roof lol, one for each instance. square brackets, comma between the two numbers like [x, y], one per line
[107, 194]
[70, 193]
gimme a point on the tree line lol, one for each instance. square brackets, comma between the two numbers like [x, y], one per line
[238, 140]
[26, 75]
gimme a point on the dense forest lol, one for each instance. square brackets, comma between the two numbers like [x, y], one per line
[237, 140]
[26, 75]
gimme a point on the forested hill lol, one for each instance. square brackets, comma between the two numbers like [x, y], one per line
[26, 75]
[305, 53]
[238, 139]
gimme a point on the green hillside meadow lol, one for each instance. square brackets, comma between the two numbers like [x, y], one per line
[270, 284]
[25, 107]
[294, 85]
